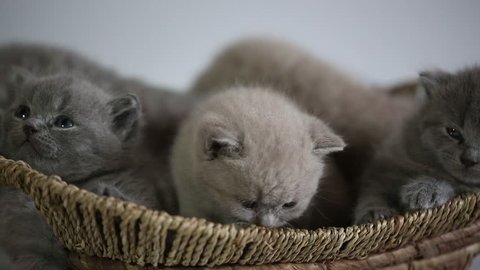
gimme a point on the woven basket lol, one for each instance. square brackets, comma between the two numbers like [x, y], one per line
[95, 227]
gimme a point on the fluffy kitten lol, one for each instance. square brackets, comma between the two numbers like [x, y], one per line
[65, 126]
[363, 117]
[433, 155]
[248, 155]
[162, 109]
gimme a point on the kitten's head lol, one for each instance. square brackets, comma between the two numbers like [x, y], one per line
[450, 121]
[260, 158]
[65, 126]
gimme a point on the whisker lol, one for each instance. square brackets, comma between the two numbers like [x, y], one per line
[318, 211]
[325, 199]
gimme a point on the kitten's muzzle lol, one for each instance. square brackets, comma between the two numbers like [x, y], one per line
[267, 220]
[468, 162]
[469, 158]
[32, 126]
[29, 130]
[38, 138]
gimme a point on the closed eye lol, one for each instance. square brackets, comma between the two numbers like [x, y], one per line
[249, 204]
[289, 205]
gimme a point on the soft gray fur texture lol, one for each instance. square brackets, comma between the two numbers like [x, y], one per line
[5, 262]
[433, 155]
[65, 126]
[363, 115]
[248, 155]
[103, 131]
[25, 236]
[163, 109]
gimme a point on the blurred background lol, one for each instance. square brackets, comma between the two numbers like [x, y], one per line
[169, 42]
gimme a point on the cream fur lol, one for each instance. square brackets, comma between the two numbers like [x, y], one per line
[249, 144]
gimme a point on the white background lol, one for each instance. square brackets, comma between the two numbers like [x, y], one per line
[169, 42]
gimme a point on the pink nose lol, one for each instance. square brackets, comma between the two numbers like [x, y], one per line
[29, 130]
[267, 220]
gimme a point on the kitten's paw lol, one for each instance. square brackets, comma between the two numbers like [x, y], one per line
[425, 192]
[372, 214]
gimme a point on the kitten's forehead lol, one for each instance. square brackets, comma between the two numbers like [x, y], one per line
[279, 173]
[472, 114]
[459, 97]
[50, 97]
[58, 93]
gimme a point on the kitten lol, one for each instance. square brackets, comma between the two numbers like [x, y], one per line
[361, 115]
[248, 155]
[434, 153]
[162, 109]
[65, 126]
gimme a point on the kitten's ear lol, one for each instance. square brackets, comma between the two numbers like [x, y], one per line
[430, 80]
[19, 76]
[324, 139]
[219, 140]
[126, 115]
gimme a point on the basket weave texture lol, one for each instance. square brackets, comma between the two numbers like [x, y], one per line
[106, 227]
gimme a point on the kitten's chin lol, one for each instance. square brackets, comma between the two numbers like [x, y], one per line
[467, 176]
[471, 180]
[31, 156]
[28, 151]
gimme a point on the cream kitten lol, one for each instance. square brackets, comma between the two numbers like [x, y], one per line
[248, 155]
[433, 155]
[363, 117]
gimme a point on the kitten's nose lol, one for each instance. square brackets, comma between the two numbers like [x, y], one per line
[467, 162]
[267, 220]
[29, 130]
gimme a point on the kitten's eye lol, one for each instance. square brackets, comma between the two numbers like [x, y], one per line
[289, 205]
[63, 121]
[22, 112]
[454, 133]
[249, 204]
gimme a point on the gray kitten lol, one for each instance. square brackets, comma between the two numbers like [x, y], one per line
[65, 126]
[249, 155]
[433, 155]
[162, 109]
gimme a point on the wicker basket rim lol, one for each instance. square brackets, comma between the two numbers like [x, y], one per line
[135, 234]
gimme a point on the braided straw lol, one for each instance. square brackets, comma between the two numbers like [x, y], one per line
[106, 227]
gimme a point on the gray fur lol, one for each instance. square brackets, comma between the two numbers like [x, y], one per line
[5, 262]
[25, 236]
[244, 154]
[93, 152]
[162, 110]
[425, 192]
[103, 127]
[423, 164]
